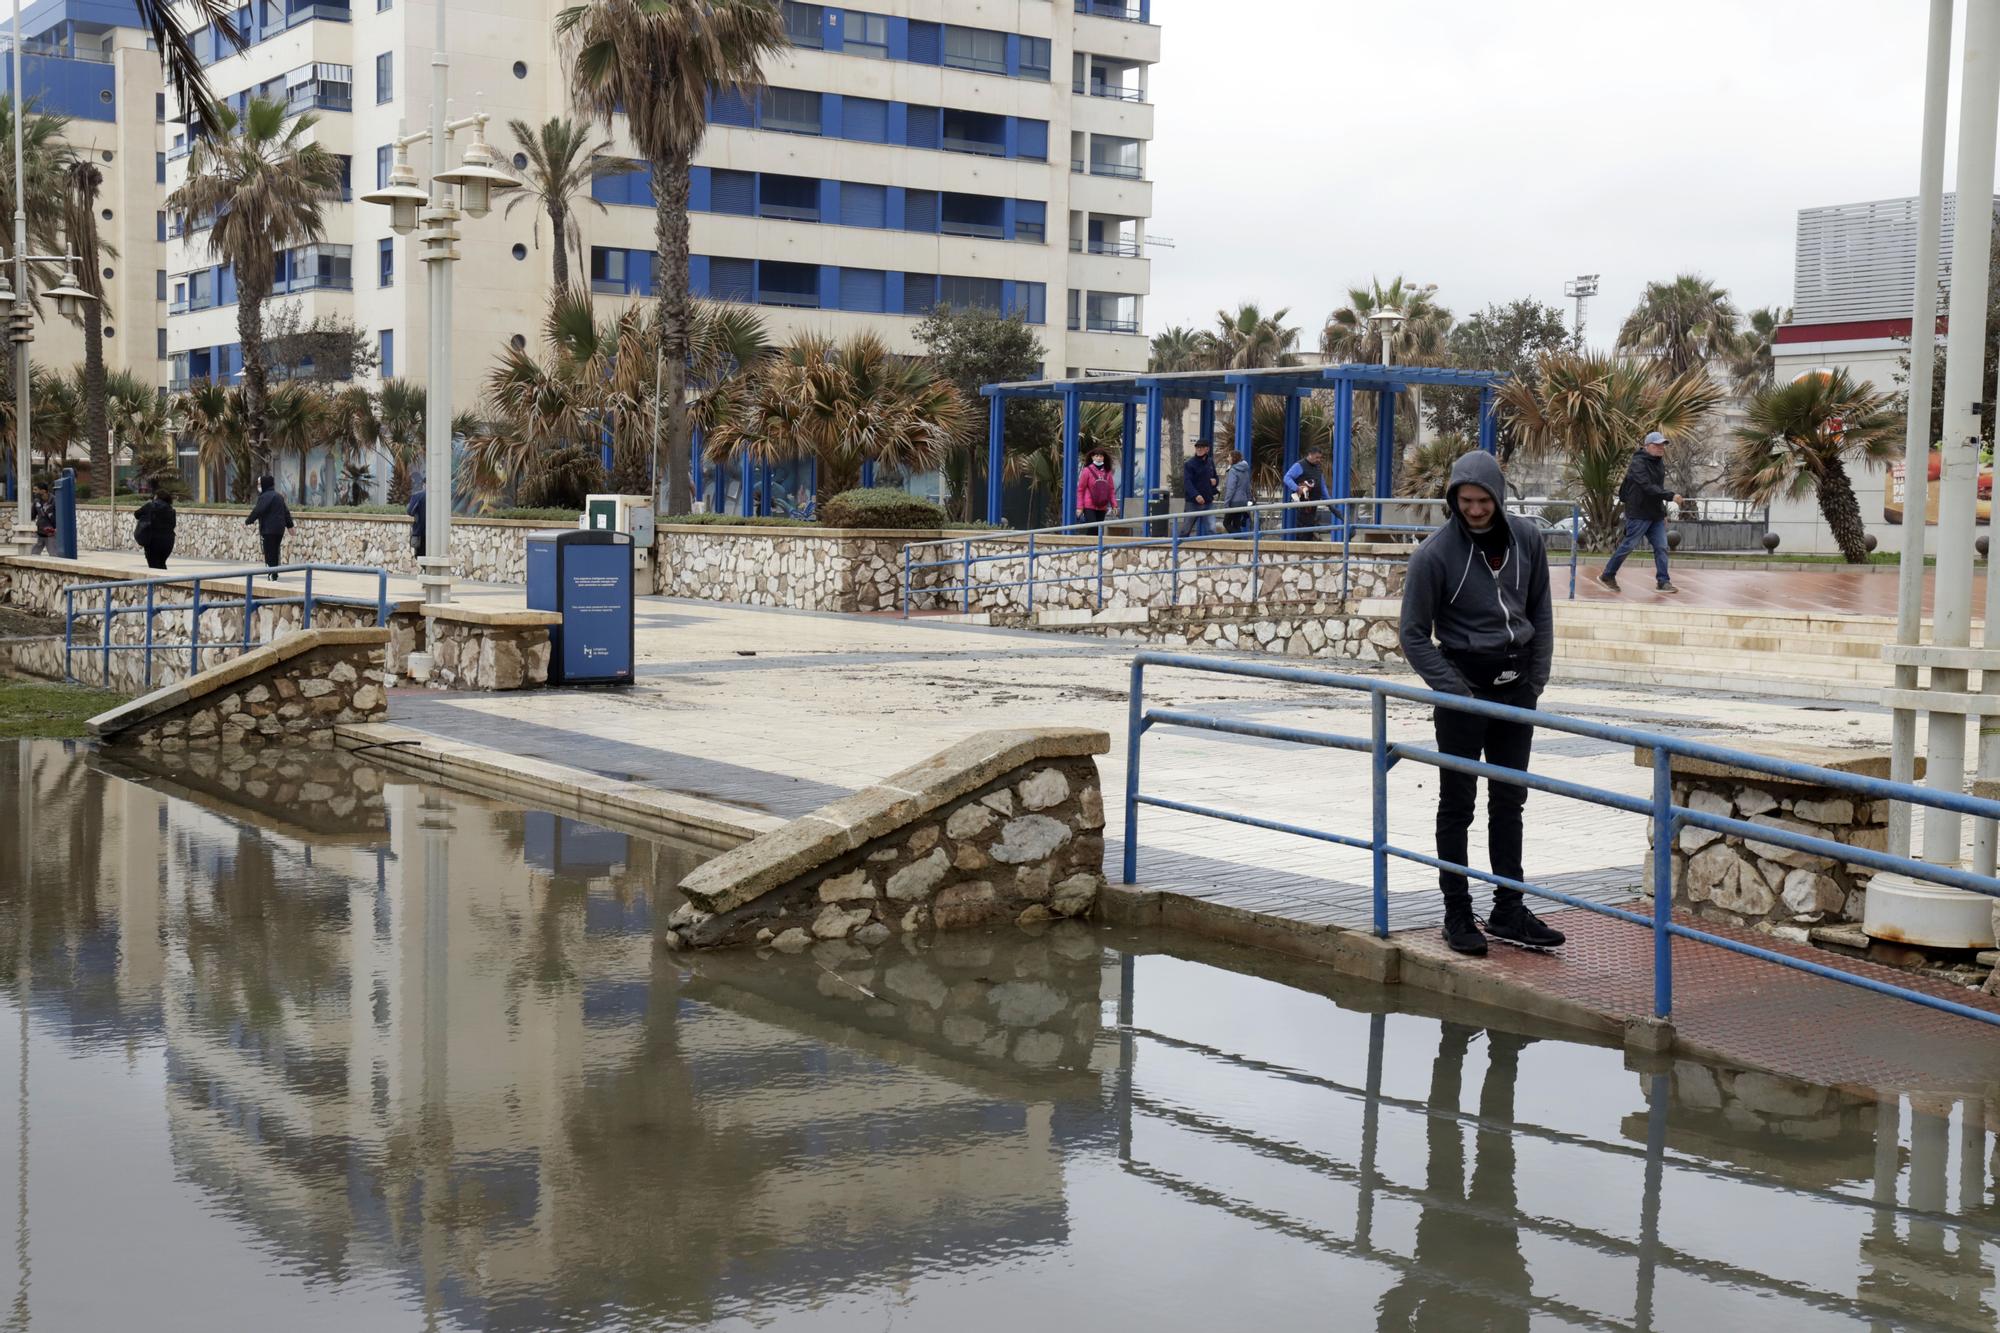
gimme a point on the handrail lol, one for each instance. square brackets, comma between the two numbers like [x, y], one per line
[1666, 817]
[198, 606]
[1343, 522]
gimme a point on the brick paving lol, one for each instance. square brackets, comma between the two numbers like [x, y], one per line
[1751, 1012]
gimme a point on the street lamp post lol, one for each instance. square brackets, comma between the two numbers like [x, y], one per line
[476, 178]
[1386, 319]
[69, 298]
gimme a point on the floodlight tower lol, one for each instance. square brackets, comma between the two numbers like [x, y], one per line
[1580, 289]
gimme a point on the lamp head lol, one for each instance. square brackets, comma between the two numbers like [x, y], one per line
[70, 298]
[402, 195]
[479, 174]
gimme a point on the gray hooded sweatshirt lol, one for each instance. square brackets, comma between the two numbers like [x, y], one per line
[1454, 602]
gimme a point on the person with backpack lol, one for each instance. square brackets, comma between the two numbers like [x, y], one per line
[1096, 488]
[43, 515]
[1645, 495]
[272, 518]
[1236, 491]
[154, 527]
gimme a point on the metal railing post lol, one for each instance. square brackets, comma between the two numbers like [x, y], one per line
[1378, 710]
[906, 582]
[194, 632]
[382, 599]
[306, 619]
[1346, 550]
[1574, 542]
[249, 594]
[1663, 884]
[1100, 566]
[1031, 573]
[1174, 583]
[149, 637]
[965, 577]
[69, 631]
[1134, 728]
[104, 681]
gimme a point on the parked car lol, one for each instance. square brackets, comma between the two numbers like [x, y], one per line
[1555, 536]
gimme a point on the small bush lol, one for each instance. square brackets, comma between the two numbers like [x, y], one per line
[567, 517]
[738, 521]
[880, 507]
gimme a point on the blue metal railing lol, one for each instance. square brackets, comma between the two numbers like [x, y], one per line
[1666, 817]
[1346, 519]
[198, 606]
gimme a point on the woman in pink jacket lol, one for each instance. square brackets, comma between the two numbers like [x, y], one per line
[1096, 489]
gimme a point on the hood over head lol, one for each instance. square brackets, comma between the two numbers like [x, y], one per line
[1481, 470]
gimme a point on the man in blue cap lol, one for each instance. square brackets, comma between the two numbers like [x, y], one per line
[1645, 495]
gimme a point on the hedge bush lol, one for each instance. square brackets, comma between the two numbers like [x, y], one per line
[738, 521]
[880, 507]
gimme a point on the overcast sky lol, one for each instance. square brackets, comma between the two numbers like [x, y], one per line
[1499, 147]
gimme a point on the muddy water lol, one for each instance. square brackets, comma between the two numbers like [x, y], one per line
[306, 1045]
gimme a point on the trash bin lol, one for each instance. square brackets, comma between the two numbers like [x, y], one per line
[65, 498]
[585, 577]
[1159, 503]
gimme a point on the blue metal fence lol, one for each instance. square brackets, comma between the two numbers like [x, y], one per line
[1266, 527]
[1659, 808]
[197, 606]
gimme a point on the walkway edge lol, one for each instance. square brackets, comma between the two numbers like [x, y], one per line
[558, 788]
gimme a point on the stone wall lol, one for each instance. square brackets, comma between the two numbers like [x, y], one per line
[1005, 827]
[1743, 882]
[299, 688]
[803, 568]
[484, 550]
[1337, 630]
[474, 649]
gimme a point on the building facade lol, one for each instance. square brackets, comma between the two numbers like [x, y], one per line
[915, 153]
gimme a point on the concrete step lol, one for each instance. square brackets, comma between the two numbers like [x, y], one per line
[1860, 647]
[1720, 663]
[1735, 682]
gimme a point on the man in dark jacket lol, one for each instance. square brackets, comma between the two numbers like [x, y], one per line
[415, 509]
[1477, 621]
[153, 528]
[1305, 481]
[1199, 486]
[44, 518]
[1645, 495]
[272, 517]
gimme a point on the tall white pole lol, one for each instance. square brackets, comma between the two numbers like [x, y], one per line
[1917, 436]
[437, 414]
[24, 524]
[1965, 355]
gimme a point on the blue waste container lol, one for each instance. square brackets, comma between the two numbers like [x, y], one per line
[65, 498]
[586, 578]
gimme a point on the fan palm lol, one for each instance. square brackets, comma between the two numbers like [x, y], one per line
[45, 164]
[266, 184]
[1353, 333]
[212, 415]
[353, 422]
[1592, 409]
[562, 164]
[657, 63]
[402, 406]
[1686, 322]
[1801, 437]
[1248, 339]
[1750, 359]
[300, 422]
[1176, 351]
[80, 227]
[57, 407]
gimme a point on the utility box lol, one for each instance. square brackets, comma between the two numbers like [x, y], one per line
[630, 514]
[586, 577]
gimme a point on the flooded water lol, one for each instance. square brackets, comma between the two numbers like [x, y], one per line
[307, 1045]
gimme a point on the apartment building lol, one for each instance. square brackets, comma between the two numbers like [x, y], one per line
[972, 152]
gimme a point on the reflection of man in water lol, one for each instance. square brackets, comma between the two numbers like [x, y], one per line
[1468, 1272]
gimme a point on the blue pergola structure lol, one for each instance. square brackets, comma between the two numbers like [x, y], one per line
[1242, 387]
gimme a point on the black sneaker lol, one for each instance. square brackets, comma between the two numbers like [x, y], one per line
[1609, 580]
[1515, 924]
[1461, 932]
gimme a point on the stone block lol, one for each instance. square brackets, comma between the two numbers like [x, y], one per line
[1030, 838]
[1808, 893]
[1043, 790]
[966, 905]
[921, 841]
[835, 922]
[917, 880]
[1836, 811]
[1076, 895]
[854, 886]
[969, 821]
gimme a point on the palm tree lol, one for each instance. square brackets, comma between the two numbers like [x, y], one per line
[562, 163]
[402, 417]
[57, 409]
[45, 163]
[212, 416]
[354, 423]
[182, 67]
[137, 418]
[1801, 436]
[1686, 323]
[657, 62]
[80, 226]
[1175, 351]
[299, 424]
[1352, 333]
[1248, 339]
[1750, 363]
[1592, 409]
[266, 184]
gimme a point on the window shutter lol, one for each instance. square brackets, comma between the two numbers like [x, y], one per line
[862, 289]
[732, 192]
[919, 293]
[923, 127]
[731, 279]
[864, 205]
[920, 210]
[926, 43]
[865, 119]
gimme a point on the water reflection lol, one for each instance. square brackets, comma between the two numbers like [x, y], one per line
[306, 1044]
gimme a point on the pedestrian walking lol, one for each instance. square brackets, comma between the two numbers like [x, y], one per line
[1305, 481]
[1199, 487]
[1645, 495]
[419, 525]
[1096, 488]
[1477, 622]
[272, 517]
[1235, 490]
[43, 516]
[153, 528]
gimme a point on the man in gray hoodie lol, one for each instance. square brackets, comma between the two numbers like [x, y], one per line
[1477, 621]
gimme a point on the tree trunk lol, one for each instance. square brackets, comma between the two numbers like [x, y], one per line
[670, 280]
[256, 374]
[1176, 446]
[96, 420]
[559, 224]
[1843, 513]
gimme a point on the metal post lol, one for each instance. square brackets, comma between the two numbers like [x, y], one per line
[1917, 433]
[438, 257]
[906, 582]
[1256, 550]
[1663, 884]
[249, 603]
[1246, 409]
[24, 523]
[1031, 573]
[1340, 485]
[104, 681]
[149, 637]
[69, 629]
[306, 616]
[1100, 566]
[1128, 458]
[1072, 425]
[1658, 1086]
[1378, 712]
[1135, 712]
[1156, 412]
[1979, 108]
[1174, 585]
[1489, 434]
[1371, 1110]
[194, 632]
[1385, 447]
[965, 577]
[1290, 455]
[996, 454]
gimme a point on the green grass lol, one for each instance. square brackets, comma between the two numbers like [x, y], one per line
[57, 712]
